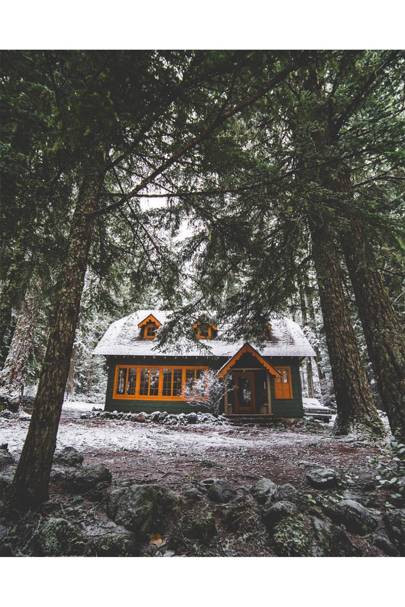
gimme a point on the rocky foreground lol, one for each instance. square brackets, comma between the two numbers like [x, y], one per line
[89, 514]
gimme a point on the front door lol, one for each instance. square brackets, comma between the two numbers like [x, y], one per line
[244, 391]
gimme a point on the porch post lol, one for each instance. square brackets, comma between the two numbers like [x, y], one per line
[269, 393]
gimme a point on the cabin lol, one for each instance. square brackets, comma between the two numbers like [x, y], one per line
[259, 380]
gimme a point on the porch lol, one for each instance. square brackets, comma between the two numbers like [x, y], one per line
[248, 387]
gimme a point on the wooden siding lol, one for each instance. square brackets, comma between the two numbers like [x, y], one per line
[280, 407]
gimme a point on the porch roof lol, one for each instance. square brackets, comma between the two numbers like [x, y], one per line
[246, 349]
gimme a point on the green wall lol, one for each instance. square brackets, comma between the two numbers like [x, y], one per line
[281, 408]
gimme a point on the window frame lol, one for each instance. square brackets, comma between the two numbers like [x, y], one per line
[211, 329]
[288, 383]
[160, 396]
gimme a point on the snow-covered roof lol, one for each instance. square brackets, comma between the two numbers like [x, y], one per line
[122, 338]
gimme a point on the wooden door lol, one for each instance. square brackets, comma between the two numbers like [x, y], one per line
[244, 393]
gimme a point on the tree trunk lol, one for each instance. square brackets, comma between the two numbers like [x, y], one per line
[382, 329]
[12, 377]
[32, 476]
[355, 406]
[308, 361]
[70, 382]
[15, 284]
[319, 361]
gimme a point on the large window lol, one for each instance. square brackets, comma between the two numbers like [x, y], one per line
[154, 383]
[282, 383]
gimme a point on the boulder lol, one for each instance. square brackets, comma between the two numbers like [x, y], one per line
[112, 541]
[201, 527]
[394, 521]
[292, 536]
[68, 456]
[5, 544]
[355, 517]
[58, 537]
[273, 513]
[191, 418]
[5, 456]
[383, 543]
[264, 490]
[221, 492]
[287, 492]
[322, 478]
[83, 479]
[143, 509]
[7, 414]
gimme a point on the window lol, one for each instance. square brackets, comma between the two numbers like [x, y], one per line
[160, 383]
[148, 327]
[149, 331]
[282, 384]
[205, 330]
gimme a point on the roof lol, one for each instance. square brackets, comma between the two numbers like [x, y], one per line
[122, 339]
[246, 349]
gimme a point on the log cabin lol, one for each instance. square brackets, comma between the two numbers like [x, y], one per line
[259, 380]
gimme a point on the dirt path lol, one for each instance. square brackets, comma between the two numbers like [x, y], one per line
[174, 455]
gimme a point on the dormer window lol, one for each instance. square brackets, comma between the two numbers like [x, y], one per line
[205, 330]
[149, 331]
[149, 327]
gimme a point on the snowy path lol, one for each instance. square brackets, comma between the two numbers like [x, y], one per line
[173, 455]
[111, 435]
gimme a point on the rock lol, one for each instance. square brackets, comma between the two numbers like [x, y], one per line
[287, 492]
[394, 521]
[383, 543]
[6, 414]
[366, 481]
[273, 513]
[191, 418]
[58, 537]
[202, 527]
[5, 456]
[292, 536]
[355, 517]
[221, 492]
[322, 478]
[331, 540]
[141, 418]
[162, 416]
[143, 509]
[5, 544]
[264, 490]
[84, 479]
[115, 541]
[68, 456]
[155, 416]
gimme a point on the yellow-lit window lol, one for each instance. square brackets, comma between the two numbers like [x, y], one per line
[282, 383]
[149, 331]
[205, 330]
[152, 382]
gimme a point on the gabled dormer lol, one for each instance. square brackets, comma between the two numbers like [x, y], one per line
[149, 327]
[205, 330]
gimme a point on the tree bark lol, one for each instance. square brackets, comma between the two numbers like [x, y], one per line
[33, 471]
[308, 361]
[382, 328]
[12, 377]
[13, 290]
[356, 410]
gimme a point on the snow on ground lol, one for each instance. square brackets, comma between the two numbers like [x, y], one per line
[113, 435]
[173, 455]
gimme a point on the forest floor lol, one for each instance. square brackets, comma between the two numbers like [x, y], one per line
[199, 489]
[151, 452]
